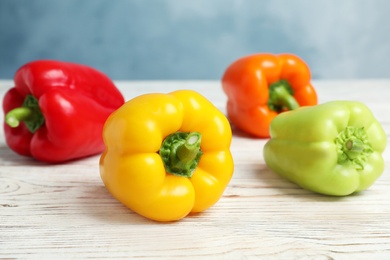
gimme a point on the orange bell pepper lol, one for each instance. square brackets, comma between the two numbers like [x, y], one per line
[261, 86]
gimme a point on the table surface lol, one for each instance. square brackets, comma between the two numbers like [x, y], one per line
[64, 211]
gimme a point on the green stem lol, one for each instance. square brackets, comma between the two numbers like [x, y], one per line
[281, 96]
[17, 115]
[190, 148]
[29, 113]
[181, 153]
[353, 147]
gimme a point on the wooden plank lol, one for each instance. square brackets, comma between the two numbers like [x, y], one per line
[64, 211]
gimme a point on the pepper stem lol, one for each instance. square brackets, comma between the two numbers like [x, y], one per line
[181, 153]
[353, 147]
[190, 148]
[29, 113]
[15, 116]
[281, 96]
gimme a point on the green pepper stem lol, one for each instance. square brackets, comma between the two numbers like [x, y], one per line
[181, 153]
[281, 96]
[353, 147]
[17, 115]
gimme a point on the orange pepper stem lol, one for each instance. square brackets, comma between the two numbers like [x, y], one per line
[181, 153]
[29, 113]
[281, 96]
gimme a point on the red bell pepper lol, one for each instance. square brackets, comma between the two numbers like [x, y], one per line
[56, 110]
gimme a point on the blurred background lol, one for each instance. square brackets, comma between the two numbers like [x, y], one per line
[196, 40]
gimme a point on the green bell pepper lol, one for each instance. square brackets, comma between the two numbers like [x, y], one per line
[334, 148]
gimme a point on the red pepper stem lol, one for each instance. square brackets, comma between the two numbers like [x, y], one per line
[29, 113]
[17, 115]
[281, 96]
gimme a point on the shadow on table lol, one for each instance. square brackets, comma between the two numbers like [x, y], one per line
[239, 133]
[10, 158]
[285, 187]
[102, 206]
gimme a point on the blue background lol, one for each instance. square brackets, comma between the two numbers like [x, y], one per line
[198, 39]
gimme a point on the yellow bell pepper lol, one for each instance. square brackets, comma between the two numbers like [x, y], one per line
[167, 155]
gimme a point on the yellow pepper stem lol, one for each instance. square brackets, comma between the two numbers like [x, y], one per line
[181, 153]
[190, 148]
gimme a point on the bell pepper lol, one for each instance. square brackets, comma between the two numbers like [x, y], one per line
[56, 110]
[261, 86]
[167, 155]
[333, 148]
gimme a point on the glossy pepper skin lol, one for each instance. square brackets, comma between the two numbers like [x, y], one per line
[134, 166]
[333, 148]
[261, 86]
[56, 110]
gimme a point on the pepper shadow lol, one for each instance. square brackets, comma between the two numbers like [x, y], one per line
[284, 187]
[239, 133]
[99, 204]
[10, 158]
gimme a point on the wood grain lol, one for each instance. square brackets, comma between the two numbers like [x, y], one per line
[63, 211]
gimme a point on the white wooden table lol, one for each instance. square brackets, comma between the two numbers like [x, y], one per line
[64, 211]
